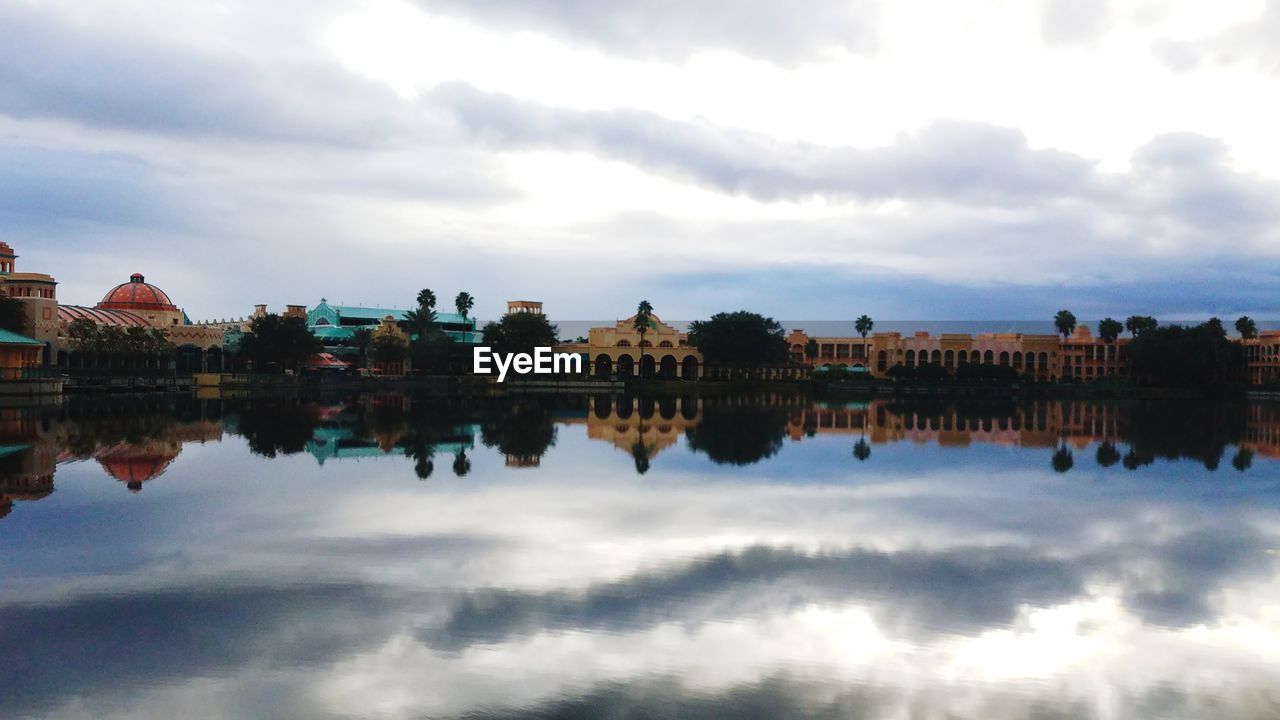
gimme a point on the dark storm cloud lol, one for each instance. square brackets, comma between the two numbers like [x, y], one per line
[110, 646]
[44, 186]
[965, 590]
[107, 74]
[782, 32]
[959, 162]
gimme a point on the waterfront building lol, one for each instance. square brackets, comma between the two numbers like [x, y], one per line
[1262, 354]
[619, 350]
[336, 325]
[1043, 357]
[135, 303]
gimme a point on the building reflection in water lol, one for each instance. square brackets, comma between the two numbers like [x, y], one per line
[136, 442]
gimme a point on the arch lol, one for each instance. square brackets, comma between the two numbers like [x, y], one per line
[989, 357]
[602, 405]
[647, 366]
[667, 408]
[665, 344]
[623, 343]
[623, 408]
[646, 408]
[626, 366]
[911, 358]
[935, 357]
[949, 359]
[962, 357]
[1004, 358]
[646, 344]
[689, 368]
[1043, 361]
[604, 366]
[213, 360]
[667, 368]
[688, 407]
[882, 361]
[1017, 360]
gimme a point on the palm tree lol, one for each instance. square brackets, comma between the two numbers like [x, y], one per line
[426, 299]
[861, 450]
[420, 320]
[463, 304]
[1247, 328]
[461, 464]
[1243, 459]
[1062, 460]
[1109, 329]
[811, 349]
[1065, 322]
[863, 325]
[1108, 455]
[643, 321]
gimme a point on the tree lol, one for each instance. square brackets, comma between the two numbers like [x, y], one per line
[1184, 357]
[1108, 455]
[741, 338]
[811, 349]
[1109, 329]
[863, 325]
[360, 339]
[420, 320]
[1247, 328]
[1138, 324]
[13, 315]
[1243, 459]
[1062, 460]
[643, 322]
[426, 299]
[388, 348]
[520, 333]
[641, 454]
[861, 450]
[1065, 322]
[282, 342]
[83, 336]
[461, 463]
[463, 303]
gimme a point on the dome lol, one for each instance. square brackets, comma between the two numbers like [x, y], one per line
[137, 294]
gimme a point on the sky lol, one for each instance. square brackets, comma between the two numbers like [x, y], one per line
[810, 159]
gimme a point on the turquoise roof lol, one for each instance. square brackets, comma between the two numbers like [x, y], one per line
[8, 337]
[334, 312]
[6, 450]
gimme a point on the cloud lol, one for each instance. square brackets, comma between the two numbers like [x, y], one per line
[781, 32]
[1073, 22]
[956, 161]
[105, 72]
[1251, 43]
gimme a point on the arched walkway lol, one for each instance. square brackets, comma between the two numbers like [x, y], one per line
[689, 368]
[604, 367]
[667, 369]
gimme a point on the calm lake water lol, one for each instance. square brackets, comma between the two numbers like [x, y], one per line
[572, 557]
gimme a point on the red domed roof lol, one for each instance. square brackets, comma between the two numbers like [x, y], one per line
[137, 294]
[133, 471]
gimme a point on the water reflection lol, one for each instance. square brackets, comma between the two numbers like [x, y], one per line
[713, 556]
